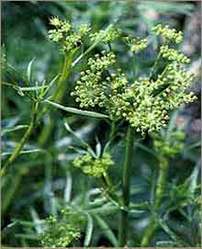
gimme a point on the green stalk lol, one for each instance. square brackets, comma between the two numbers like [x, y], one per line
[160, 190]
[22, 142]
[123, 226]
[58, 95]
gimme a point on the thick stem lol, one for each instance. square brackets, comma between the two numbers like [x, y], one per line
[123, 228]
[160, 190]
[58, 95]
[22, 142]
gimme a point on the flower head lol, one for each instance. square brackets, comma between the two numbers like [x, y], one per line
[168, 34]
[136, 44]
[169, 145]
[145, 103]
[93, 166]
[65, 35]
[105, 36]
[90, 88]
[62, 230]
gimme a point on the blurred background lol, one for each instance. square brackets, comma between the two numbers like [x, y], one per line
[35, 186]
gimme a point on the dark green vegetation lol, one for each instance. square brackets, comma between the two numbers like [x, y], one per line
[148, 197]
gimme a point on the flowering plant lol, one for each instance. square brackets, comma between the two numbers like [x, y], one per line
[140, 105]
[143, 104]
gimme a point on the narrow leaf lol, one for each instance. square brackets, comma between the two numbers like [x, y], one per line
[23, 152]
[68, 188]
[89, 231]
[76, 111]
[50, 84]
[106, 230]
[36, 220]
[29, 70]
[18, 127]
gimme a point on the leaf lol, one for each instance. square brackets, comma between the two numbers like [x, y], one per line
[23, 152]
[172, 235]
[105, 209]
[98, 148]
[68, 188]
[83, 143]
[106, 230]
[76, 111]
[29, 70]
[89, 230]
[192, 180]
[193, 146]
[50, 85]
[18, 127]
[24, 89]
[36, 220]
[144, 148]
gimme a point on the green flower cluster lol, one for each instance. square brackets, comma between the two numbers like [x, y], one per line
[168, 34]
[61, 231]
[90, 90]
[137, 44]
[63, 34]
[93, 166]
[169, 146]
[173, 55]
[105, 36]
[145, 104]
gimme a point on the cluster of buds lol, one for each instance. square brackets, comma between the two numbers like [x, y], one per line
[61, 231]
[106, 36]
[136, 44]
[169, 145]
[63, 34]
[145, 104]
[90, 89]
[93, 166]
[173, 55]
[168, 34]
[140, 107]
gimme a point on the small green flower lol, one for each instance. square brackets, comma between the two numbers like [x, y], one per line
[136, 44]
[173, 55]
[90, 89]
[106, 36]
[62, 230]
[68, 38]
[145, 103]
[93, 166]
[168, 34]
[169, 146]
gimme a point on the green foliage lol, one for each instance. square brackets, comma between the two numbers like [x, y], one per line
[124, 68]
[169, 146]
[93, 166]
[61, 231]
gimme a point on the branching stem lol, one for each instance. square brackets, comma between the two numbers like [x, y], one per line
[23, 140]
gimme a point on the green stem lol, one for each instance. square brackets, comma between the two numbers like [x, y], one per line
[123, 228]
[160, 190]
[155, 65]
[22, 142]
[58, 95]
